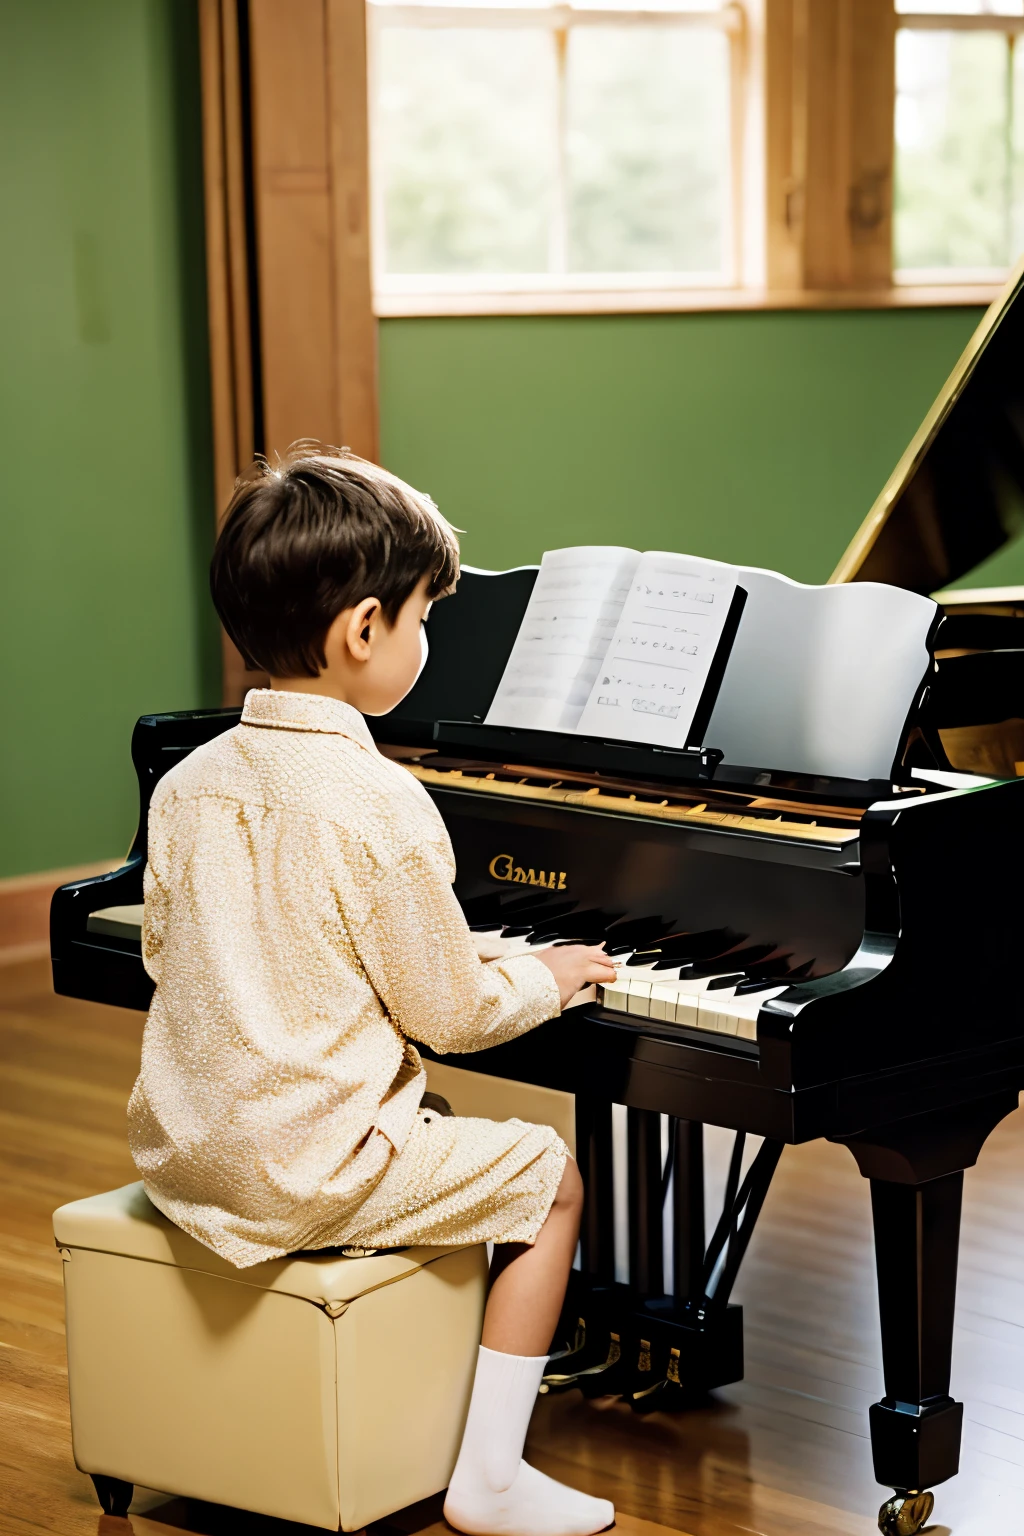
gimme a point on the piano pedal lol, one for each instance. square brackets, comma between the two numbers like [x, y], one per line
[587, 1378]
[677, 1358]
[667, 1394]
[587, 1350]
[905, 1513]
[578, 1344]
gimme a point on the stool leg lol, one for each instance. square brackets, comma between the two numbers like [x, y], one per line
[114, 1496]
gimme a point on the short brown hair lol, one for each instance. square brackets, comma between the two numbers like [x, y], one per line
[312, 535]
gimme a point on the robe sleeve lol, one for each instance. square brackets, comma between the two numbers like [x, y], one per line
[419, 955]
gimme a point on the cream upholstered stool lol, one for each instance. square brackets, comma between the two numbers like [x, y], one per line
[318, 1388]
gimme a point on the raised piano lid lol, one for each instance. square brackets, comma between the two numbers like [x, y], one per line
[957, 494]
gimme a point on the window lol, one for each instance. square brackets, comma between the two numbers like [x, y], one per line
[555, 151]
[554, 146]
[959, 195]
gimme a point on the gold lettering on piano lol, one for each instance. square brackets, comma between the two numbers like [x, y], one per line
[503, 867]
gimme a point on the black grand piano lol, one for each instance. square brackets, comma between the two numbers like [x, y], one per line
[847, 946]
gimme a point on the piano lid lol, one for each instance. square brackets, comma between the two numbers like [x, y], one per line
[957, 494]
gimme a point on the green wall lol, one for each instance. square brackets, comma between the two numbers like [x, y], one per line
[755, 437]
[761, 438]
[105, 509]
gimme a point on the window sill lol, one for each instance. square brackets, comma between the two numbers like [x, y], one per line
[659, 301]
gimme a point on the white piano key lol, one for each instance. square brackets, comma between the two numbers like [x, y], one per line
[689, 991]
[663, 1001]
[687, 1001]
[738, 1015]
[616, 996]
[686, 1008]
[712, 1011]
[639, 1001]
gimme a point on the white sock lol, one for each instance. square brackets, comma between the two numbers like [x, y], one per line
[493, 1492]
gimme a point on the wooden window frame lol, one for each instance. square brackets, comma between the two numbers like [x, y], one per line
[813, 151]
[396, 294]
[942, 21]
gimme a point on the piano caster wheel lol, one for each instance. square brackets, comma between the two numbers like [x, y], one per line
[114, 1496]
[905, 1514]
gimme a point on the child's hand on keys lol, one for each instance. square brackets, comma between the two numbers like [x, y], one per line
[575, 966]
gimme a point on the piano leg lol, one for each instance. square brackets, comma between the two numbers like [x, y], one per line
[646, 1259]
[915, 1429]
[594, 1156]
[916, 1169]
[687, 1210]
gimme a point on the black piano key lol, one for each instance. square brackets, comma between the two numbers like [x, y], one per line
[637, 933]
[684, 947]
[516, 931]
[731, 960]
[774, 965]
[588, 926]
[721, 982]
[772, 974]
[531, 908]
[540, 910]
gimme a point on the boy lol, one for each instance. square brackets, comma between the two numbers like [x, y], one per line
[301, 929]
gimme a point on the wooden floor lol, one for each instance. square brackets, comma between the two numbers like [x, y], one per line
[785, 1453]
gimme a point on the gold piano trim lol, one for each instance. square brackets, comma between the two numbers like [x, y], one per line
[912, 542]
[624, 804]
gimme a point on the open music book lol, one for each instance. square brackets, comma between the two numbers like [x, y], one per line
[817, 679]
[619, 645]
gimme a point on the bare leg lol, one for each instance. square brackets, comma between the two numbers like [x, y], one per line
[528, 1284]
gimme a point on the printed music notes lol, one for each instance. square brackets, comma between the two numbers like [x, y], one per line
[651, 681]
[616, 644]
[653, 649]
[565, 633]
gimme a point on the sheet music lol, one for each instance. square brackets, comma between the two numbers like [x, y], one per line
[821, 678]
[649, 686]
[569, 622]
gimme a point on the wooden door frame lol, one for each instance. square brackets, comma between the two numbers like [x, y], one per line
[293, 337]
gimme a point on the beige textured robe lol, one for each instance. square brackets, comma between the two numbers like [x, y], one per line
[301, 929]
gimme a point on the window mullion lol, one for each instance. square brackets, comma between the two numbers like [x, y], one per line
[1008, 167]
[558, 245]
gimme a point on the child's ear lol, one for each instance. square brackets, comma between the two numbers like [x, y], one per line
[360, 627]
